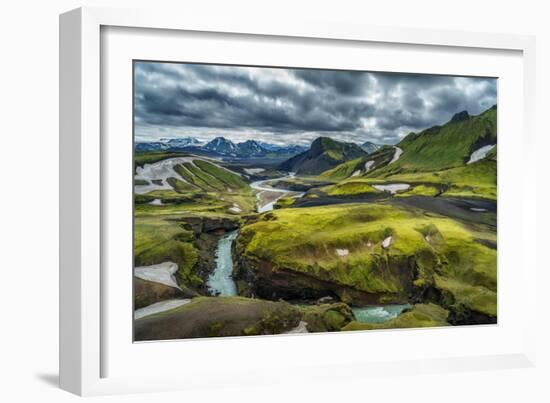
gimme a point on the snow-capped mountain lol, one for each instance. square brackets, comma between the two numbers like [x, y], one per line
[184, 142]
[151, 146]
[221, 145]
[251, 148]
[289, 149]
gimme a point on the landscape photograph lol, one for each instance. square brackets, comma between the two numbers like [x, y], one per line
[271, 200]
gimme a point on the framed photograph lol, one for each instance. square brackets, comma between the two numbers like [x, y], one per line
[290, 200]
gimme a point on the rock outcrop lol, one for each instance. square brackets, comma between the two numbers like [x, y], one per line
[219, 316]
[150, 292]
[420, 315]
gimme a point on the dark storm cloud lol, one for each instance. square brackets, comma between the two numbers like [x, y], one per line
[296, 105]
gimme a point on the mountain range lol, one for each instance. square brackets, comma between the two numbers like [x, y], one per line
[221, 146]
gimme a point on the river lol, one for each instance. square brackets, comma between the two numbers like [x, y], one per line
[267, 196]
[378, 313]
[221, 283]
[221, 280]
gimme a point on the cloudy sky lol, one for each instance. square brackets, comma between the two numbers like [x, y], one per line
[294, 106]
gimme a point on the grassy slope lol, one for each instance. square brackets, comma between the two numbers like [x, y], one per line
[238, 316]
[143, 158]
[208, 191]
[157, 240]
[344, 170]
[442, 147]
[435, 156]
[478, 180]
[306, 239]
[198, 187]
[351, 187]
[324, 153]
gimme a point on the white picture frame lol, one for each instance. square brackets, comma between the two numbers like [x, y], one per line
[83, 307]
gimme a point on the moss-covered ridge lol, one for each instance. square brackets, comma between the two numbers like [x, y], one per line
[358, 250]
[446, 146]
[238, 316]
[420, 315]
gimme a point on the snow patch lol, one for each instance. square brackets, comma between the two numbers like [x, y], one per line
[253, 171]
[368, 165]
[235, 208]
[342, 252]
[393, 188]
[162, 170]
[478, 210]
[156, 202]
[158, 307]
[356, 173]
[162, 273]
[387, 242]
[480, 153]
[396, 155]
[301, 328]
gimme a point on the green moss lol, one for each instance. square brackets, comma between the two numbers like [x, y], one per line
[190, 178]
[157, 240]
[218, 317]
[420, 190]
[476, 298]
[306, 240]
[443, 147]
[141, 159]
[326, 317]
[420, 315]
[334, 320]
[231, 179]
[209, 182]
[349, 188]
[214, 329]
[180, 186]
[284, 202]
[344, 170]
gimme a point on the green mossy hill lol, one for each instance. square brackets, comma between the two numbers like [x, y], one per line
[299, 184]
[473, 180]
[219, 316]
[327, 317]
[324, 154]
[420, 315]
[421, 190]
[158, 240]
[345, 170]
[360, 166]
[341, 248]
[199, 186]
[206, 204]
[350, 187]
[443, 147]
[284, 202]
[210, 177]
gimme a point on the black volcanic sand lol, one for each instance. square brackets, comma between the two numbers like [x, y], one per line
[324, 200]
[454, 207]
